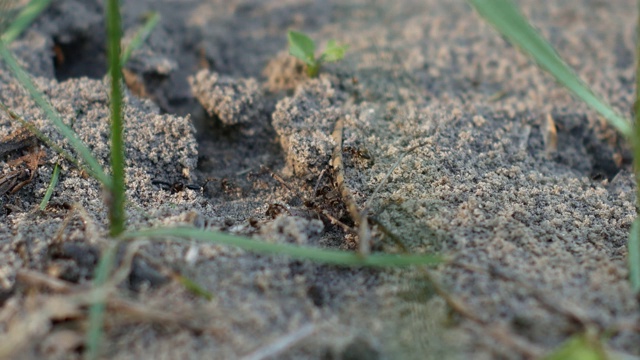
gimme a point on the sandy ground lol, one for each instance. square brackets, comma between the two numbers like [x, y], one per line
[536, 226]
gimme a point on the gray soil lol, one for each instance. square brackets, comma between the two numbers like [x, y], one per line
[535, 227]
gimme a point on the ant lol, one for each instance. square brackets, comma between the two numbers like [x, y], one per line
[359, 155]
[177, 186]
[325, 203]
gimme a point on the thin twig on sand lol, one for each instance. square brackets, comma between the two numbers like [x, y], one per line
[279, 346]
[500, 333]
[359, 218]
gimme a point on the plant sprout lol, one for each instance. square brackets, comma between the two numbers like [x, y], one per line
[302, 47]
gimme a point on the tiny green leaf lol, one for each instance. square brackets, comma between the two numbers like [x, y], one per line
[194, 288]
[334, 52]
[302, 47]
[579, 347]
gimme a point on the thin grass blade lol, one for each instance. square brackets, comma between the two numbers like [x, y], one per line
[55, 118]
[52, 185]
[140, 37]
[117, 215]
[319, 255]
[44, 138]
[633, 246]
[194, 287]
[97, 309]
[24, 19]
[9, 9]
[634, 256]
[509, 21]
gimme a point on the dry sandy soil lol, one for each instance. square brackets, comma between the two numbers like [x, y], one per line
[536, 228]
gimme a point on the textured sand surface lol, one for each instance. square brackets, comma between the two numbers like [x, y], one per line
[537, 226]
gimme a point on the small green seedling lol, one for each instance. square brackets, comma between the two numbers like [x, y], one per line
[302, 47]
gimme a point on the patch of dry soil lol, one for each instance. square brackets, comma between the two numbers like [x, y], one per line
[537, 227]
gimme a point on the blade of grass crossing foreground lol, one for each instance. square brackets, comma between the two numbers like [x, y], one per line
[52, 185]
[8, 11]
[97, 309]
[335, 257]
[140, 37]
[117, 188]
[508, 20]
[634, 256]
[117, 200]
[24, 19]
[633, 247]
[45, 139]
[53, 115]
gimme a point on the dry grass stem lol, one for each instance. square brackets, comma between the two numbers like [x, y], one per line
[282, 344]
[360, 219]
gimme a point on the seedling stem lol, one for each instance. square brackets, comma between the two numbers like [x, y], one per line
[302, 47]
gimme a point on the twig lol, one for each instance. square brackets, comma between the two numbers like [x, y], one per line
[396, 239]
[315, 189]
[126, 263]
[388, 174]
[276, 177]
[90, 228]
[174, 275]
[279, 346]
[557, 305]
[338, 167]
[35, 324]
[499, 333]
[44, 138]
[38, 279]
[336, 221]
[83, 296]
[359, 218]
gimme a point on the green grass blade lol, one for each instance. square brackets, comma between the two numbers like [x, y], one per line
[53, 115]
[194, 287]
[634, 256]
[335, 257]
[508, 20]
[44, 138]
[24, 19]
[97, 309]
[117, 215]
[141, 36]
[633, 246]
[52, 185]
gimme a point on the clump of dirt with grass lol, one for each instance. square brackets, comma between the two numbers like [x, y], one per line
[453, 143]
